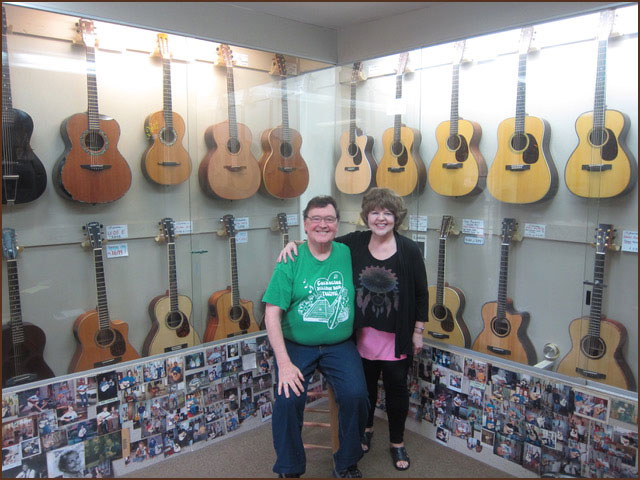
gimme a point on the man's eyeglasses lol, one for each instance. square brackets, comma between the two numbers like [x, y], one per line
[328, 220]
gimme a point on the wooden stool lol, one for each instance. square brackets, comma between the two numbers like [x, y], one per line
[332, 410]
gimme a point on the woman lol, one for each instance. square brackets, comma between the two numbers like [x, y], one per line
[391, 307]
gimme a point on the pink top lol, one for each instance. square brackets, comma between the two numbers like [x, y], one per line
[377, 345]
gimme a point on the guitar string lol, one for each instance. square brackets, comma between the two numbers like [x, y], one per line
[8, 114]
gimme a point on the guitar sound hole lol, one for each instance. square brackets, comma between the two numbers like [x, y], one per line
[397, 148]
[119, 346]
[233, 145]
[593, 347]
[174, 320]
[105, 337]
[598, 137]
[500, 327]
[519, 142]
[442, 315]
[168, 136]
[453, 142]
[93, 141]
[235, 313]
[286, 149]
[355, 153]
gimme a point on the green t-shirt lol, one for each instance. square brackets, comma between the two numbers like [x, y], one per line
[316, 296]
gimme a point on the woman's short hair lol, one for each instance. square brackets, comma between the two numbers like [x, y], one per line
[380, 197]
[321, 201]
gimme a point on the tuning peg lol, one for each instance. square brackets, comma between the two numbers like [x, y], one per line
[85, 243]
[159, 238]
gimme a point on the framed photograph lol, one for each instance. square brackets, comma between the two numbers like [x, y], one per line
[591, 406]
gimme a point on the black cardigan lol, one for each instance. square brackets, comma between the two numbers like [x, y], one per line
[414, 302]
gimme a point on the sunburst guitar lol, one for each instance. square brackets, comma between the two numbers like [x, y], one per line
[165, 161]
[597, 341]
[458, 168]
[601, 166]
[229, 315]
[401, 169]
[446, 303]
[523, 171]
[170, 313]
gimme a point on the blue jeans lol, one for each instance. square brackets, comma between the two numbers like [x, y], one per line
[342, 367]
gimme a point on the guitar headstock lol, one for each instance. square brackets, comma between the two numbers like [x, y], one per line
[279, 65]
[229, 225]
[93, 231]
[403, 59]
[605, 233]
[9, 245]
[225, 55]
[87, 31]
[526, 36]
[163, 46]
[282, 223]
[446, 226]
[356, 73]
[606, 24]
[458, 51]
[509, 228]
[168, 229]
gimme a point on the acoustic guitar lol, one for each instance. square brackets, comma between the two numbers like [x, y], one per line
[356, 168]
[284, 172]
[504, 331]
[229, 315]
[523, 171]
[170, 313]
[22, 343]
[165, 161]
[91, 169]
[601, 166]
[446, 303]
[229, 170]
[458, 168]
[401, 169]
[597, 341]
[23, 175]
[283, 227]
[101, 341]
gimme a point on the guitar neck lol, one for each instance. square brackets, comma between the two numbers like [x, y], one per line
[352, 115]
[15, 308]
[7, 113]
[285, 239]
[231, 104]
[441, 260]
[599, 103]
[103, 309]
[92, 90]
[502, 282]
[455, 79]
[167, 106]
[521, 93]
[235, 292]
[397, 120]
[173, 282]
[286, 135]
[595, 314]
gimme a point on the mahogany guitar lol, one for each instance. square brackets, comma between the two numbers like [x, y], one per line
[171, 328]
[601, 166]
[504, 331]
[229, 315]
[91, 169]
[165, 161]
[101, 341]
[22, 343]
[401, 169]
[284, 172]
[597, 341]
[446, 303]
[523, 171]
[458, 168]
[229, 170]
[356, 168]
[23, 175]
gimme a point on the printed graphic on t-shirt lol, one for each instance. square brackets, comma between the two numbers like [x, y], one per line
[327, 302]
[378, 291]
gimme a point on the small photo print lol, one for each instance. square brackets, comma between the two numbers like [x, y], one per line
[475, 370]
[487, 436]
[625, 412]
[30, 447]
[233, 423]
[32, 467]
[155, 370]
[107, 386]
[70, 414]
[232, 350]
[531, 458]
[248, 346]
[9, 405]
[11, 457]
[215, 429]
[591, 406]
[86, 391]
[129, 377]
[104, 447]
[79, 432]
[19, 430]
[53, 440]
[266, 410]
[175, 370]
[508, 448]
[442, 435]
[194, 360]
[63, 393]
[68, 462]
[216, 354]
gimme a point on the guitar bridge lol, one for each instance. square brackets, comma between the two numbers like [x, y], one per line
[438, 335]
[351, 169]
[107, 362]
[95, 168]
[287, 169]
[590, 373]
[241, 332]
[451, 166]
[173, 348]
[498, 350]
[517, 168]
[237, 168]
[169, 164]
[396, 169]
[596, 168]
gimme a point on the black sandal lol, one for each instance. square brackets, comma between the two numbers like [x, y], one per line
[366, 440]
[399, 454]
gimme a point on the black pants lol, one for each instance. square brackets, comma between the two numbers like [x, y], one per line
[394, 379]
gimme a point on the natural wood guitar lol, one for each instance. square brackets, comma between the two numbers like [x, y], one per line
[458, 168]
[597, 341]
[23, 175]
[101, 341]
[284, 172]
[22, 343]
[165, 161]
[446, 303]
[601, 166]
[523, 171]
[401, 169]
[229, 315]
[229, 170]
[170, 313]
[91, 169]
[504, 331]
[356, 168]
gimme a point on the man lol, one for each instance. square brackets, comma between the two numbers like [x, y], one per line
[309, 319]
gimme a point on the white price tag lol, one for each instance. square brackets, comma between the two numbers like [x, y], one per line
[473, 226]
[374, 69]
[418, 223]
[115, 232]
[242, 223]
[397, 107]
[421, 240]
[534, 230]
[184, 227]
[240, 59]
[629, 241]
[474, 240]
[242, 237]
[292, 219]
[117, 250]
